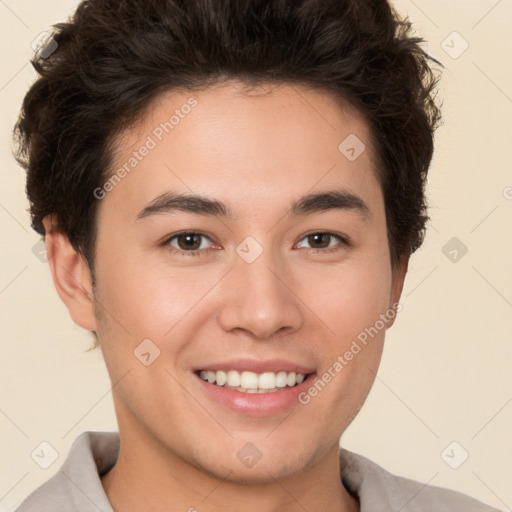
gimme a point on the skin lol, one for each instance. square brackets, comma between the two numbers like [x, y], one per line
[257, 153]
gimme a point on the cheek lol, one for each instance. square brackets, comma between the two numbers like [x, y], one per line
[351, 298]
[351, 307]
[354, 307]
[148, 299]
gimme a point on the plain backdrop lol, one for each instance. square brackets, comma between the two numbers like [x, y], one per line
[444, 388]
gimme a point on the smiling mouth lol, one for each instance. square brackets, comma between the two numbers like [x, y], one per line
[250, 382]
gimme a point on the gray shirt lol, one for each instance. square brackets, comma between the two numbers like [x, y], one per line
[76, 487]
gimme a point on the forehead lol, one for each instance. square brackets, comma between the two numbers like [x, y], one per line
[242, 146]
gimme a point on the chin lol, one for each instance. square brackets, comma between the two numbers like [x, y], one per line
[260, 474]
[252, 467]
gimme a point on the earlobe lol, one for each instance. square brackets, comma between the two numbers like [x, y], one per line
[71, 275]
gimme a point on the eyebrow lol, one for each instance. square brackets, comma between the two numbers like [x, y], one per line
[168, 202]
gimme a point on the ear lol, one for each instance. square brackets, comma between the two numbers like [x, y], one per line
[71, 275]
[397, 284]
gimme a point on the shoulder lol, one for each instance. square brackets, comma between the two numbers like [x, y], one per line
[76, 486]
[47, 496]
[379, 490]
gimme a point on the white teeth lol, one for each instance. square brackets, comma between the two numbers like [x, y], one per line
[291, 379]
[282, 379]
[222, 378]
[250, 382]
[233, 378]
[266, 380]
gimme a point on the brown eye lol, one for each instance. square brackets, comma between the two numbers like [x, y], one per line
[323, 242]
[319, 240]
[189, 242]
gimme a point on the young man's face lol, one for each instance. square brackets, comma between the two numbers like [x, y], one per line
[265, 291]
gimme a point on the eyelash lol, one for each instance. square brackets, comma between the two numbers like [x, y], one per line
[202, 252]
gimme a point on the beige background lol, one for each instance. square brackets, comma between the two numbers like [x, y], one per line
[445, 374]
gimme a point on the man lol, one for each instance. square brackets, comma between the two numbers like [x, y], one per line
[230, 192]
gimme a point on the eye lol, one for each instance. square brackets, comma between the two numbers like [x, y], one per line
[323, 242]
[192, 243]
[189, 242]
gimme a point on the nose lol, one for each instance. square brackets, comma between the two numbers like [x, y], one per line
[258, 299]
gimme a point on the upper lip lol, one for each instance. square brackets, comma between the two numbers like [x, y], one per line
[256, 366]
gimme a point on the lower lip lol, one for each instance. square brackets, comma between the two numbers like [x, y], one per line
[256, 404]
